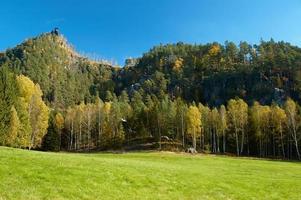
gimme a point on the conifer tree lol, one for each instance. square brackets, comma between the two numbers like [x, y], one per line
[8, 98]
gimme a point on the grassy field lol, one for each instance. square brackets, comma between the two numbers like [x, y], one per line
[38, 175]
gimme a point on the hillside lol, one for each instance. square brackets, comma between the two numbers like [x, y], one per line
[218, 98]
[212, 73]
[65, 77]
[38, 175]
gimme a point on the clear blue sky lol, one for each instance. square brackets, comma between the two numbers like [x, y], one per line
[117, 29]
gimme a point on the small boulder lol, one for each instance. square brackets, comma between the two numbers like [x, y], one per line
[191, 150]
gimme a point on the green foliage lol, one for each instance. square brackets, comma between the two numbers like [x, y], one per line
[52, 140]
[212, 73]
[8, 98]
[64, 77]
[215, 73]
[151, 99]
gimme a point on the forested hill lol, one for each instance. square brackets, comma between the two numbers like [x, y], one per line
[65, 77]
[211, 73]
[173, 97]
[214, 73]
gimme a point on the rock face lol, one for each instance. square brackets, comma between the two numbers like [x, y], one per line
[55, 31]
[131, 62]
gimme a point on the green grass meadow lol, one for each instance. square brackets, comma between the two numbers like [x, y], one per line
[147, 175]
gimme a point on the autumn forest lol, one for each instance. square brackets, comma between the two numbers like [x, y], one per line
[235, 99]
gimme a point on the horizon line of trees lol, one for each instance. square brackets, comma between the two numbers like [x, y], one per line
[122, 122]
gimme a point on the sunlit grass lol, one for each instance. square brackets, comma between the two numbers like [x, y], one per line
[39, 175]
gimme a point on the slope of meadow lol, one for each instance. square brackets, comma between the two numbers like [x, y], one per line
[38, 175]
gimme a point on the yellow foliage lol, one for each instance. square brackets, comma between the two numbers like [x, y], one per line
[59, 121]
[107, 107]
[26, 87]
[37, 109]
[194, 123]
[278, 118]
[223, 118]
[178, 65]
[238, 113]
[14, 128]
[193, 120]
[214, 50]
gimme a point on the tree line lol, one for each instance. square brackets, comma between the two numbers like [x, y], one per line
[234, 128]
[119, 122]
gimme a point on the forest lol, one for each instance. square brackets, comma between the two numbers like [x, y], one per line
[235, 99]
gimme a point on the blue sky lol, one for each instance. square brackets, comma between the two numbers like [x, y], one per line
[117, 29]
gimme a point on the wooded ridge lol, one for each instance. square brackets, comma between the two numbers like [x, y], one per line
[216, 98]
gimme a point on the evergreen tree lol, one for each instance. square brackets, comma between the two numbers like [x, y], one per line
[51, 141]
[8, 98]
